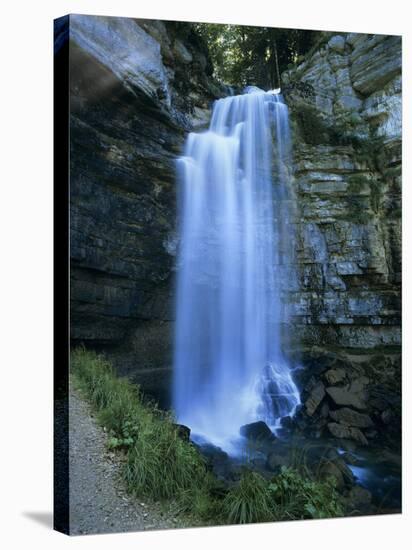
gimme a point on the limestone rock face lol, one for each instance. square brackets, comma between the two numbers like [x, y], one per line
[125, 49]
[137, 88]
[345, 104]
[375, 61]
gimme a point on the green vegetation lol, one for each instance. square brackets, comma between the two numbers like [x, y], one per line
[243, 55]
[315, 129]
[296, 496]
[159, 464]
[357, 183]
[250, 501]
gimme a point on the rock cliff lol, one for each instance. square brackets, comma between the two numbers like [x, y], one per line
[345, 102]
[137, 87]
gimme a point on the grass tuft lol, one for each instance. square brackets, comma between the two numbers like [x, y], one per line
[250, 501]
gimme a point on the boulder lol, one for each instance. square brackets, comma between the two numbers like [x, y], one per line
[349, 417]
[214, 455]
[337, 469]
[346, 432]
[358, 499]
[324, 411]
[346, 396]
[257, 431]
[315, 398]
[335, 376]
[329, 469]
[288, 423]
[351, 458]
[386, 416]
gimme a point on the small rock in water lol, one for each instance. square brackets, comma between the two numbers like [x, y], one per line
[359, 499]
[351, 458]
[337, 469]
[257, 431]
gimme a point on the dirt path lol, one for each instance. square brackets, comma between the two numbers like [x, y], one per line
[99, 502]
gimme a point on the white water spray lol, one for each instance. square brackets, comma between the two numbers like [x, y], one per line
[229, 369]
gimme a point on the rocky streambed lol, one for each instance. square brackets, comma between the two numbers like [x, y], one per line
[367, 479]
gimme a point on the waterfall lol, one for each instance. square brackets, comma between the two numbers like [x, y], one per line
[229, 368]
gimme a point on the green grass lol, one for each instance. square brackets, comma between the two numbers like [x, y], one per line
[162, 466]
[250, 501]
[159, 463]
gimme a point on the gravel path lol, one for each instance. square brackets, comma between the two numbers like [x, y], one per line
[99, 502]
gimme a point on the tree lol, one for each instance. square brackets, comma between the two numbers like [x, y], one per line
[244, 55]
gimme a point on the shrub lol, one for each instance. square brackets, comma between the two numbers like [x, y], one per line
[250, 501]
[160, 464]
[298, 497]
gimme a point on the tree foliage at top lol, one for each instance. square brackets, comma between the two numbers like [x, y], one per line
[256, 56]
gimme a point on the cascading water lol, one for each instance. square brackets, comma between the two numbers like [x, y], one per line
[229, 369]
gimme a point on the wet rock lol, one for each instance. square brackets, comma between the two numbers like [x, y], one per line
[351, 458]
[346, 396]
[386, 416]
[371, 434]
[324, 410]
[214, 455]
[288, 422]
[335, 376]
[358, 499]
[346, 432]
[315, 398]
[347, 445]
[257, 431]
[349, 417]
[331, 470]
[339, 471]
